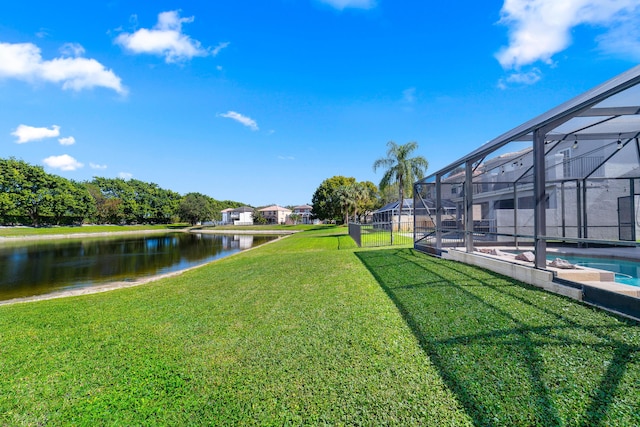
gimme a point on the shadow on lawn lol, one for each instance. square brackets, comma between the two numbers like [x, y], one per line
[513, 354]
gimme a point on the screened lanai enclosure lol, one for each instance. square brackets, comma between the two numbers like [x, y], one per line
[568, 177]
[571, 175]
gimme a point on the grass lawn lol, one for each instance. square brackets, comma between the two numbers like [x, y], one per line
[310, 330]
[43, 231]
[372, 238]
[295, 332]
[514, 354]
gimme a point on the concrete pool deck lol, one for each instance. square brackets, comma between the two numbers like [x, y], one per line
[506, 263]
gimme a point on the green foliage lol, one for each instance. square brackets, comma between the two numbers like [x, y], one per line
[133, 201]
[326, 201]
[195, 208]
[29, 195]
[295, 218]
[401, 169]
[337, 197]
[259, 218]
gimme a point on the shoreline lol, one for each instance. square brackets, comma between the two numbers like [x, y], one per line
[111, 286]
[130, 232]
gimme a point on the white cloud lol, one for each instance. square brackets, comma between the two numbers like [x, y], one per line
[63, 162]
[125, 175]
[26, 133]
[166, 39]
[96, 166]
[538, 29]
[524, 78]
[23, 61]
[248, 122]
[356, 4]
[67, 140]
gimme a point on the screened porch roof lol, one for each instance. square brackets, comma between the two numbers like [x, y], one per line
[609, 113]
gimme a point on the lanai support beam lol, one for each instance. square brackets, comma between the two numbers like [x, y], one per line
[468, 212]
[439, 211]
[540, 197]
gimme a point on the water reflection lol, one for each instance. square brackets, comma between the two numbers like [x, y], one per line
[39, 267]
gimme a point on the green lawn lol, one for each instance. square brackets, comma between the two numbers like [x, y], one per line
[43, 231]
[310, 330]
[295, 332]
[514, 354]
[372, 238]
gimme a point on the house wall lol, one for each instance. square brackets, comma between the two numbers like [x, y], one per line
[244, 218]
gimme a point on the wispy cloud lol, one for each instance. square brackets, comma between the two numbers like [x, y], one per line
[26, 133]
[125, 175]
[23, 61]
[538, 29]
[96, 166]
[216, 50]
[72, 49]
[524, 78]
[356, 4]
[69, 140]
[246, 121]
[167, 39]
[63, 162]
[409, 95]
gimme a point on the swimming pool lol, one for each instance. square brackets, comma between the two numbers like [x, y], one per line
[626, 272]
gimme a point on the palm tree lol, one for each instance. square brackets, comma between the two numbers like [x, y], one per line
[401, 169]
[360, 198]
[346, 199]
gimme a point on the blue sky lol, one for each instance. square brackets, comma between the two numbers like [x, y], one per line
[260, 100]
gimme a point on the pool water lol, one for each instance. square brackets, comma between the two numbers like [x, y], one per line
[626, 272]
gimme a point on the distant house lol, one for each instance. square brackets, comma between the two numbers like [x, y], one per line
[304, 211]
[275, 214]
[238, 216]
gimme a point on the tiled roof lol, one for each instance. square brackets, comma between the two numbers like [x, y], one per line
[275, 208]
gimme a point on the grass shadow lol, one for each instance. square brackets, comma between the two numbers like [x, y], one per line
[512, 353]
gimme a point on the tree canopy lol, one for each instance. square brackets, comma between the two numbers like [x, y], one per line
[339, 196]
[29, 195]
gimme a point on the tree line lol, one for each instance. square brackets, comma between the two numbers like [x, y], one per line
[31, 196]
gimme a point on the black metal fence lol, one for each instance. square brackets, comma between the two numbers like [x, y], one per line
[388, 233]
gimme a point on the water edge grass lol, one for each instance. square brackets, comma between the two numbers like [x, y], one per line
[17, 232]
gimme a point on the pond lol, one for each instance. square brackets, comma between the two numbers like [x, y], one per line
[40, 267]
